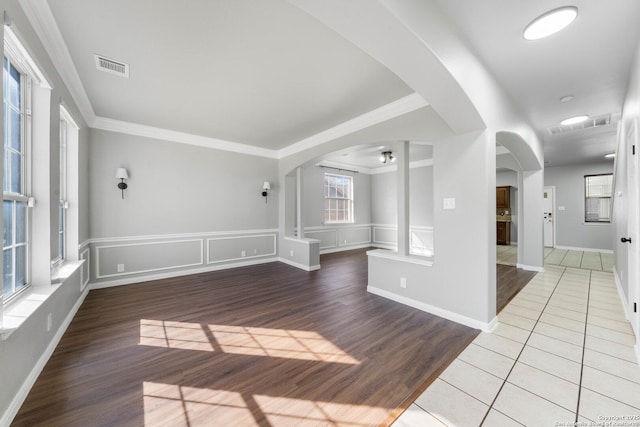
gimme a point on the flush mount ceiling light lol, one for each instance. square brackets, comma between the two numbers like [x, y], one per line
[610, 155]
[566, 98]
[550, 23]
[573, 120]
[386, 157]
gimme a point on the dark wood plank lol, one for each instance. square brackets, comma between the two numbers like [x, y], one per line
[264, 345]
[510, 280]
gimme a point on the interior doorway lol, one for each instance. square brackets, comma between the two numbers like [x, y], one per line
[549, 202]
[632, 239]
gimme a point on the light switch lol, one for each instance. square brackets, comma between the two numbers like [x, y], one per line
[449, 203]
[560, 208]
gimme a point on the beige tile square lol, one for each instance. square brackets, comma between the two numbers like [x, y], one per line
[545, 385]
[615, 325]
[559, 333]
[487, 360]
[562, 322]
[517, 321]
[499, 344]
[610, 335]
[451, 406]
[612, 365]
[531, 305]
[581, 308]
[522, 311]
[611, 348]
[530, 409]
[415, 416]
[473, 381]
[557, 347]
[498, 419]
[594, 406]
[608, 314]
[532, 297]
[617, 388]
[551, 363]
[513, 333]
[567, 314]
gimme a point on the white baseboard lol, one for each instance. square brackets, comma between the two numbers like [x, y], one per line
[623, 301]
[530, 268]
[21, 395]
[300, 266]
[455, 317]
[637, 348]
[148, 278]
[572, 248]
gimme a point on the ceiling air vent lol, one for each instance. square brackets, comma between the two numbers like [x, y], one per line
[111, 66]
[592, 122]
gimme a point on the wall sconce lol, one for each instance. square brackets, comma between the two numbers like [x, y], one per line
[122, 174]
[265, 190]
[387, 156]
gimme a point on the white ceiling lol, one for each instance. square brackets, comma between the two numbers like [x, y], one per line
[266, 74]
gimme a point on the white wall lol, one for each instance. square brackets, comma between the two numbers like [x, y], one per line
[571, 230]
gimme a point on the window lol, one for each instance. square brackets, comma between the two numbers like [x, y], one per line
[597, 200]
[62, 207]
[15, 199]
[338, 198]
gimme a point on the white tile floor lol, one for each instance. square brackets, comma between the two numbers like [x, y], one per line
[563, 353]
[602, 261]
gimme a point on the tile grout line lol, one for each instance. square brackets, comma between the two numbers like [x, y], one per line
[584, 345]
[522, 349]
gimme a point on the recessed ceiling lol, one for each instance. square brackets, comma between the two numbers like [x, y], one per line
[256, 72]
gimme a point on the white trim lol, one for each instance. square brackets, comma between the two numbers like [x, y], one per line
[180, 236]
[355, 229]
[101, 276]
[389, 111]
[41, 18]
[530, 268]
[411, 259]
[375, 239]
[572, 248]
[84, 244]
[148, 278]
[84, 281]
[244, 257]
[304, 241]
[298, 265]
[16, 47]
[345, 248]
[130, 128]
[492, 326]
[449, 315]
[21, 395]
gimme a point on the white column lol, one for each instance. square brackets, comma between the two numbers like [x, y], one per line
[403, 198]
[299, 211]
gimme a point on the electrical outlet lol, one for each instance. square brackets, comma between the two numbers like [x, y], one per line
[49, 322]
[243, 253]
[291, 254]
[120, 268]
[345, 242]
[403, 282]
[255, 252]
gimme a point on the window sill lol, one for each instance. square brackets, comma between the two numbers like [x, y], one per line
[590, 224]
[16, 312]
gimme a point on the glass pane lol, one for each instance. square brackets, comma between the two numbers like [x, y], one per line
[7, 258]
[21, 222]
[7, 171]
[16, 167]
[21, 266]
[14, 87]
[7, 223]
[14, 117]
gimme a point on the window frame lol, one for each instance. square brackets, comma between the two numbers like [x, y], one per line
[588, 198]
[11, 53]
[349, 208]
[63, 202]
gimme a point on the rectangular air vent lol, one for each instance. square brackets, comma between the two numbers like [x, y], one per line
[592, 122]
[111, 66]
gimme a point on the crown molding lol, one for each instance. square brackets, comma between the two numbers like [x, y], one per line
[41, 18]
[104, 123]
[389, 111]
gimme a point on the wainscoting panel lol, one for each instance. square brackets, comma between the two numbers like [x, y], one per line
[235, 248]
[385, 235]
[85, 270]
[354, 236]
[148, 257]
[328, 237]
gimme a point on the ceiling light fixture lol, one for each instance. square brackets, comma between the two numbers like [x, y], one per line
[566, 98]
[550, 23]
[610, 155]
[387, 156]
[574, 120]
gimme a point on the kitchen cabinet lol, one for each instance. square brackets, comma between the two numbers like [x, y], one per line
[503, 232]
[502, 197]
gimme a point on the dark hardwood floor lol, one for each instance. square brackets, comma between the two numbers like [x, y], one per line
[510, 280]
[267, 345]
